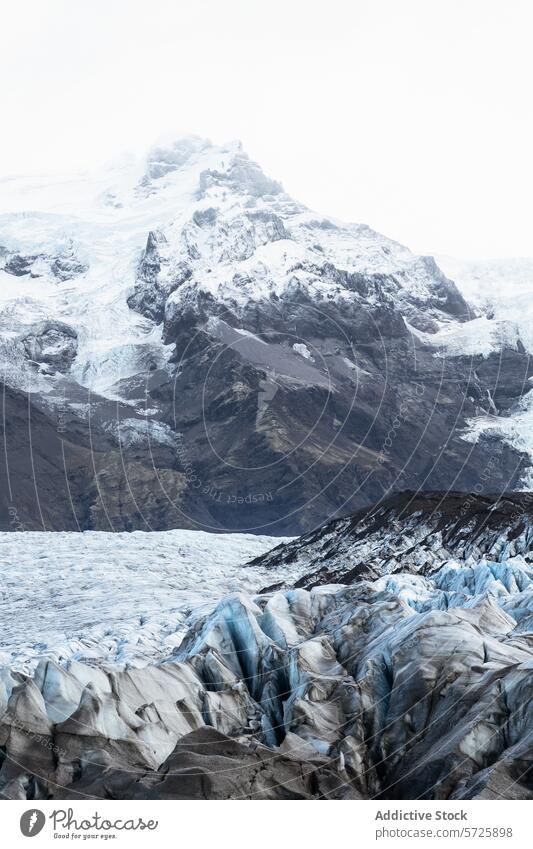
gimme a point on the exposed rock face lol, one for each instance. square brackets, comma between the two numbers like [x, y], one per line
[164, 159]
[63, 266]
[153, 286]
[38, 494]
[67, 266]
[371, 410]
[19, 265]
[243, 176]
[409, 532]
[416, 683]
[53, 344]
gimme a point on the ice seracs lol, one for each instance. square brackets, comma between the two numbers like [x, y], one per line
[412, 678]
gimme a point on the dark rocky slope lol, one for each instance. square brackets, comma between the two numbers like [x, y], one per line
[409, 532]
[242, 450]
[61, 471]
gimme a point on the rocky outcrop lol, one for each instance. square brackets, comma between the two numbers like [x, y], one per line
[411, 532]
[242, 288]
[19, 265]
[67, 266]
[59, 462]
[52, 344]
[243, 175]
[62, 266]
[373, 410]
[152, 288]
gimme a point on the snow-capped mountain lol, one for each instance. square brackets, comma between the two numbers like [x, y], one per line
[409, 677]
[185, 345]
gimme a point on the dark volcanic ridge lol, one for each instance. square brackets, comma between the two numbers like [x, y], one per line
[408, 532]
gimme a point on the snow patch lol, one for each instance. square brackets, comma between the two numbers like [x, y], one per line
[303, 350]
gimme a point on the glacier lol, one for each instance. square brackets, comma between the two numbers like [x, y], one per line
[116, 598]
[409, 677]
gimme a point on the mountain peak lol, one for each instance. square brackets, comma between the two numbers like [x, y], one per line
[225, 166]
[169, 155]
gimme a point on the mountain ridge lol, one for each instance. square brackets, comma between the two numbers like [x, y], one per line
[413, 682]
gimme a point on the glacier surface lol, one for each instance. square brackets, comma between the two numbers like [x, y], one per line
[120, 598]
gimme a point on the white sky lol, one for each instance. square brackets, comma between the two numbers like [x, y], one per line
[413, 116]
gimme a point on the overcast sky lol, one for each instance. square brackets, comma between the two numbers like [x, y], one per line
[413, 116]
